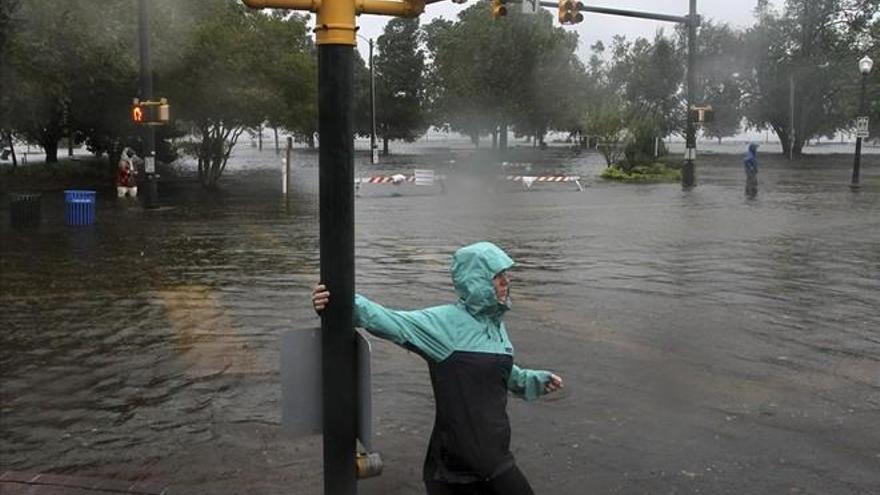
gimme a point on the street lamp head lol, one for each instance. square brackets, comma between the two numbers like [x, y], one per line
[865, 65]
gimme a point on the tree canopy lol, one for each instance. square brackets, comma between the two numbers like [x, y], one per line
[70, 70]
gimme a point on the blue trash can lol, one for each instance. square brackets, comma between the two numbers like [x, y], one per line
[79, 207]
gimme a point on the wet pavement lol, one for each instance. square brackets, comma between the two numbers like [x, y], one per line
[710, 343]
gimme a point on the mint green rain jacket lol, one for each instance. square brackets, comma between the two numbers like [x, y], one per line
[470, 358]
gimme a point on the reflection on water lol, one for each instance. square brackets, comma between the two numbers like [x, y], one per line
[154, 331]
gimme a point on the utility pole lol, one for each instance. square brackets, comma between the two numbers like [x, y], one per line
[688, 172]
[149, 133]
[791, 132]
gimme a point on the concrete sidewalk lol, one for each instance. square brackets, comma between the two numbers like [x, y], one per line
[21, 483]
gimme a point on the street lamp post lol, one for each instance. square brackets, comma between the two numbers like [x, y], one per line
[374, 156]
[865, 66]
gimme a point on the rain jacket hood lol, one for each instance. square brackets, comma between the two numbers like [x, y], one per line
[753, 149]
[473, 267]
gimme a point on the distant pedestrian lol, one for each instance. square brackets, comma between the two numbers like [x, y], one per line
[470, 359]
[126, 172]
[751, 167]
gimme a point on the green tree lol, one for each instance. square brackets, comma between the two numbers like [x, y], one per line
[40, 59]
[606, 123]
[362, 106]
[519, 71]
[220, 88]
[809, 48]
[7, 23]
[720, 67]
[290, 70]
[400, 87]
[650, 77]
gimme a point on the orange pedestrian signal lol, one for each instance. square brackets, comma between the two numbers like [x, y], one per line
[137, 113]
[150, 112]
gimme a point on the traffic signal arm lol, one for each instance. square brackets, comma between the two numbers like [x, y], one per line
[310, 5]
[405, 8]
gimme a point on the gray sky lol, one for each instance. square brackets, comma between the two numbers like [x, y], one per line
[598, 27]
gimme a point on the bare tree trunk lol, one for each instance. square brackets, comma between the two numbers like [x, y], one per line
[277, 149]
[8, 137]
[502, 139]
[50, 146]
[260, 136]
[384, 146]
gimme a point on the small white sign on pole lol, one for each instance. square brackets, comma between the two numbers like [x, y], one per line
[284, 175]
[690, 154]
[862, 127]
[150, 165]
[530, 6]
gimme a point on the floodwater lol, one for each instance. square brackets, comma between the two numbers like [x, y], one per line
[710, 342]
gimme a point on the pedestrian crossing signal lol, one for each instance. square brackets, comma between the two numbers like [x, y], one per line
[138, 113]
[702, 114]
[150, 112]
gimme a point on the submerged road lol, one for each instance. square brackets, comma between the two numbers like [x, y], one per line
[710, 343]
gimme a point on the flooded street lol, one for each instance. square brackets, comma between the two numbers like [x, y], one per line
[710, 343]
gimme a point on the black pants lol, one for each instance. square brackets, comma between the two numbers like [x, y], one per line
[510, 482]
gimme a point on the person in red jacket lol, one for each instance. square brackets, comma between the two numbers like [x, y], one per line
[125, 175]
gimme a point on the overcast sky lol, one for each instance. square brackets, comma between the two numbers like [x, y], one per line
[595, 26]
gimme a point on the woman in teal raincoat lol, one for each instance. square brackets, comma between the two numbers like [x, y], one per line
[470, 359]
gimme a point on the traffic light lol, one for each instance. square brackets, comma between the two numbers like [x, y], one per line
[138, 112]
[702, 114]
[569, 12]
[499, 8]
[148, 112]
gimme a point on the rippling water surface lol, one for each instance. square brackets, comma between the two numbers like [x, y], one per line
[709, 341]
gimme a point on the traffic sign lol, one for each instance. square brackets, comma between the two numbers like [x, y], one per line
[862, 129]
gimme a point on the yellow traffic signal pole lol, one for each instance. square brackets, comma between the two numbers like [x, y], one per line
[335, 30]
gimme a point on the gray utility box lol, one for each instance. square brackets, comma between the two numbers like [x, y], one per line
[301, 385]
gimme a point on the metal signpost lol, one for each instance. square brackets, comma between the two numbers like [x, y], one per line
[152, 190]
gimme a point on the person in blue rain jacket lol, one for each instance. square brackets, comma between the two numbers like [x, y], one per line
[470, 359]
[751, 165]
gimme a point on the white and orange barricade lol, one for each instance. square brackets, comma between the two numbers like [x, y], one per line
[396, 179]
[529, 180]
[420, 177]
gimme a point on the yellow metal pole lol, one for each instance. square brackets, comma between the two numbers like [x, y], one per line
[310, 5]
[407, 8]
[335, 23]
